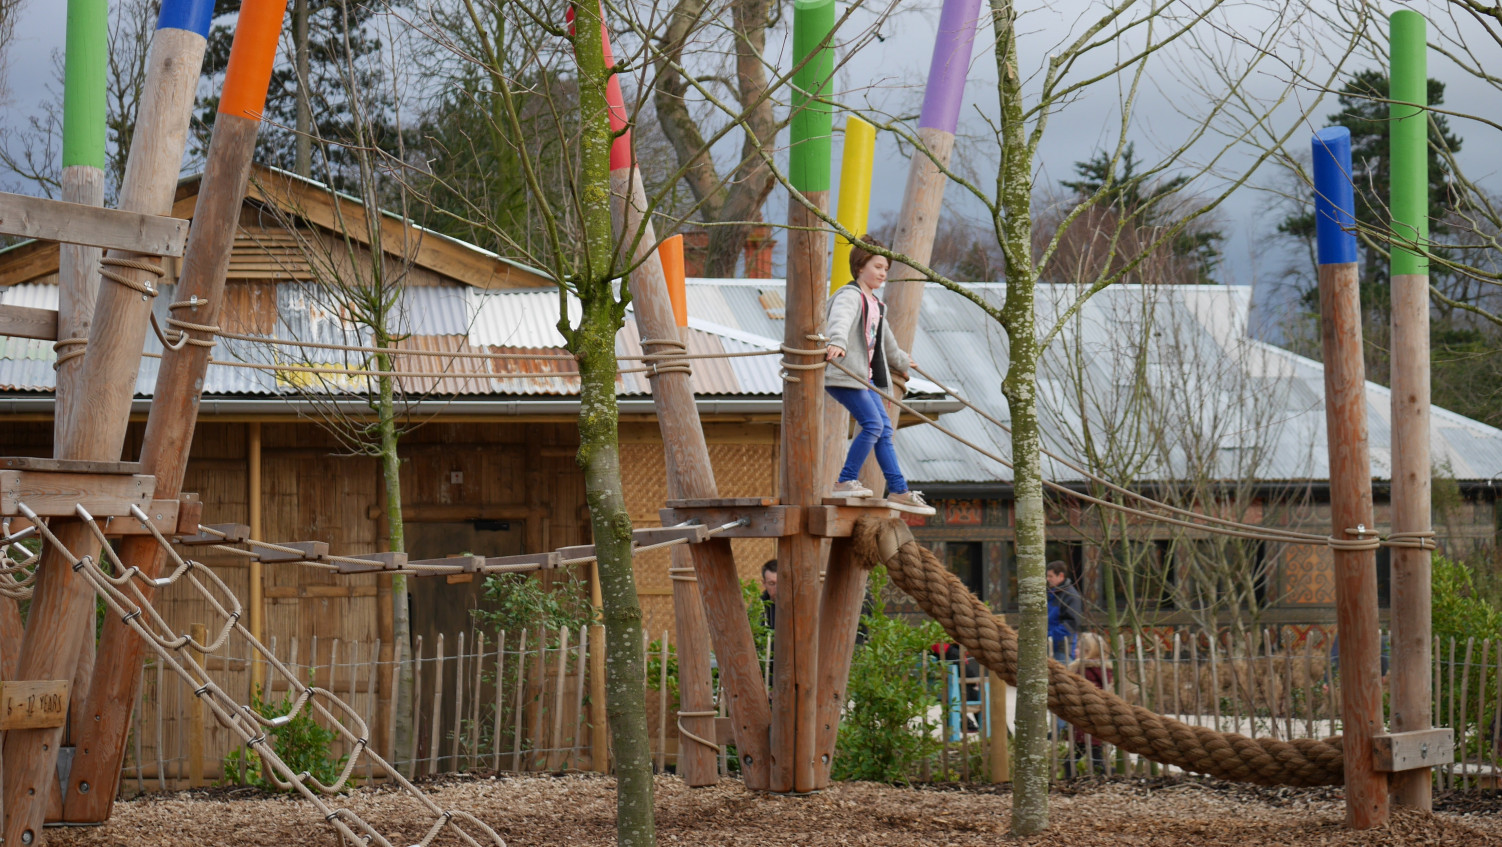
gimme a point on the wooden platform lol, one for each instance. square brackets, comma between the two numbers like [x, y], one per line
[767, 518]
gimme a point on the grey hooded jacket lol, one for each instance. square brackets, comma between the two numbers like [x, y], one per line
[845, 327]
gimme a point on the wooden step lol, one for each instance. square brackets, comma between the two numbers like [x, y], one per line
[58, 493]
[31, 463]
[26, 322]
[76, 223]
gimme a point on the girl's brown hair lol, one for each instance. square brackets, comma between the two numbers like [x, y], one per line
[859, 255]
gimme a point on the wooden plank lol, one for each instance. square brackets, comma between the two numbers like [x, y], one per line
[26, 322]
[54, 494]
[33, 463]
[647, 536]
[470, 564]
[307, 551]
[721, 502]
[765, 521]
[33, 703]
[234, 533]
[525, 562]
[1421, 748]
[378, 562]
[96, 226]
[835, 521]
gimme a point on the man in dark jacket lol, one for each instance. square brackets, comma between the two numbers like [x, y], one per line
[1065, 611]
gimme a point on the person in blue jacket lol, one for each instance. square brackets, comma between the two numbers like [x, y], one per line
[1066, 608]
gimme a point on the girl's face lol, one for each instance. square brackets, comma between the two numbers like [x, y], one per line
[873, 273]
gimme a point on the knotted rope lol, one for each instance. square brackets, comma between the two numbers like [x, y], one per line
[1225, 755]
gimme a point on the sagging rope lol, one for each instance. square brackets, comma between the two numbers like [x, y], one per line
[1224, 755]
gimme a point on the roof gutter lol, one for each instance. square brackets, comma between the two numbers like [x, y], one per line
[211, 407]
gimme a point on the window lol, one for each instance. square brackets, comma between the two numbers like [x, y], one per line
[966, 560]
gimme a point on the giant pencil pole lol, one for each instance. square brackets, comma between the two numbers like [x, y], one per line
[795, 683]
[924, 195]
[852, 211]
[94, 430]
[1411, 695]
[689, 475]
[1353, 537]
[78, 264]
[923, 198]
[104, 724]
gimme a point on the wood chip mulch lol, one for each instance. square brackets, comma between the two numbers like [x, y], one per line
[580, 810]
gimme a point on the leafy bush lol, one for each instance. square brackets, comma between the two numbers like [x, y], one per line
[520, 602]
[303, 744]
[885, 731]
[1460, 613]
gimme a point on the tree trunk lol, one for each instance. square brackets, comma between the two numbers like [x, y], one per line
[1030, 779]
[593, 343]
[401, 620]
[599, 456]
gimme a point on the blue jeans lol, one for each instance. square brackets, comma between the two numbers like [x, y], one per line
[866, 406]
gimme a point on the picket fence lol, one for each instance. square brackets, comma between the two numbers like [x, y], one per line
[521, 702]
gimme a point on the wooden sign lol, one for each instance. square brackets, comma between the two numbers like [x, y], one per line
[33, 703]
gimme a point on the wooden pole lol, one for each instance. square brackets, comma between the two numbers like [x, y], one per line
[690, 475]
[78, 264]
[196, 723]
[923, 198]
[795, 697]
[839, 620]
[1350, 479]
[1411, 624]
[257, 574]
[62, 604]
[1001, 757]
[599, 738]
[169, 427]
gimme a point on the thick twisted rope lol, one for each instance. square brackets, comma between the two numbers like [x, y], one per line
[1225, 755]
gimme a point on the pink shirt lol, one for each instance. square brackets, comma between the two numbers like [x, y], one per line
[873, 320]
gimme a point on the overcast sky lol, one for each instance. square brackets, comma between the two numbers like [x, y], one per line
[892, 72]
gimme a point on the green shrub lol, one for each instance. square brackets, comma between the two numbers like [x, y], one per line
[885, 732]
[303, 744]
[1460, 613]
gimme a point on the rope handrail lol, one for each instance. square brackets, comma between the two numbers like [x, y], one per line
[332, 561]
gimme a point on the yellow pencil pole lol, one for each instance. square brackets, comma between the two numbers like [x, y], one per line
[855, 193]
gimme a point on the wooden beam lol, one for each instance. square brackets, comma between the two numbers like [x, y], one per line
[234, 533]
[26, 322]
[523, 563]
[51, 494]
[30, 463]
[96, 226]
[838, 521]
[839, 619]
[378, 562]
[307, 551]
[1407, 751]
[27, 262]
[765, 521]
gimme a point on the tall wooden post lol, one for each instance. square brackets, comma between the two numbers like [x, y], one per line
[924, 196]
[1350, 478]
[795, 686]
[689, 475]
[95, 429]
[83, 182]
[174, 409]
[1411, 695]
[923, 199]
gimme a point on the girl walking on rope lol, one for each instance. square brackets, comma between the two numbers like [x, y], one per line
[860, 337]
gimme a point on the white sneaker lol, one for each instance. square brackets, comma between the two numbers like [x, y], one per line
[911, 501]
[852, 488]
